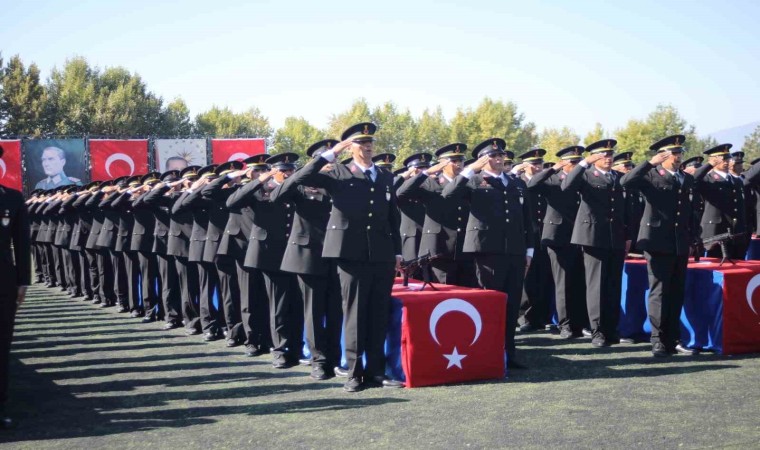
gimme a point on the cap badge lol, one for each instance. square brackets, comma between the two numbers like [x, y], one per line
[366, 129]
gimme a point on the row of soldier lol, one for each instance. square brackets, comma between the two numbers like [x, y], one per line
[268, 238]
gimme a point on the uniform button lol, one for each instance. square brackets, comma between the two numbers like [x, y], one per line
[506, 211]
[369, 227]
[612, 209]
[369, 215]
[458, 230]
[288, 215]
[333, 227]
[311, 198]
[459, 218]
[676, 223]
[371, 202]
[459, 208]
[678, 213]
[507, 220]
[539, 220]
[287, 234]
[372, 189]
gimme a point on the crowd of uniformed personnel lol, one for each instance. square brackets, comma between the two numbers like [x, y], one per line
[316, 248]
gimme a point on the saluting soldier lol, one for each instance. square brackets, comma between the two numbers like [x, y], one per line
[668, 229]
[724, 202]
[382, 160]
[498, 230]
[566, 259]
[106, 295]
[443, 229]
[622, 163]
[755, 187]
[130, 260]
[88, 258]
[34, 224]
[109, 235]
[178, 246]
[217, 191]
[17, 275]
[159, 201]
[600, 229]
[736, 169]
[411, 207]
[317, 276]
[690, 166]
[70, 244]
[363, 238]
[534, 306]
[254, 304]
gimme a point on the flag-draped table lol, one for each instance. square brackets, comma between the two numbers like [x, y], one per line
[721, 309]
[753, 251]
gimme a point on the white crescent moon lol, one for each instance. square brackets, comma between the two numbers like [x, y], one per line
[119, 157]
[455, 304]
[751, 286]
[2, 166]
[237, 157]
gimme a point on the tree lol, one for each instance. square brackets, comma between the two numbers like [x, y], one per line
[432, 130]
[358, 112]
[555, 139]
[493, 119]
[751, 147]
[664, 121]
[296, 135]
[72, 94]
[597, 134]
[396, 131]
[175, 119]
[223, 122]
[124, 106]
[22, 99]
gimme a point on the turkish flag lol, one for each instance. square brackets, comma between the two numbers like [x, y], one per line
[741, 308]
[10, 164]
[118, 158]
[223, 150]
[451, 335]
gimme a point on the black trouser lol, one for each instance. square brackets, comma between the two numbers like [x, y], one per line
[120, 279]
[149, 283]
[285, 313]
[604, 273]
[324, 316]
[254, 307]
[454, 272]
[42, 261]
[58, 266]
[366, 295]
[50, 263]
[75, 270]
[569, 286]
[505, 273]
[208, 280]
[169, 288]
[667, 281]
[67, 267]
[105, 276]
[534, 303]
[84, 274]
[93, 272]
[229, 293]
[39, 274]
[132, 279]
[7, 319]
[188, 286]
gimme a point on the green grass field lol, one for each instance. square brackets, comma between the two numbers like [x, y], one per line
[85, 377]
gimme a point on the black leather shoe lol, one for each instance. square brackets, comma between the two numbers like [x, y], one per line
[76, 295]
[381, 381]
[6, 423]
[680, 349]
[512, 363]
[96, 301]
[567, 333]
[340, 372]
[137, 313]
[88, 299]
[599, 341]
[231, 343]
[149, 318]
[171, 325]
[627, 341]
[659, 350]
[106, 304]
[353, 385]
[122, 309]
[252, 350]
[281, 362]
[586, 332]
[304, 361]
[192, 331]
[527, 328]
[211, 336]
[319, 373]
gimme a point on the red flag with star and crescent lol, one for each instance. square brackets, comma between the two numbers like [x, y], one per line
[10, 164]
[111, 158]
[451, 335]
[223, 150]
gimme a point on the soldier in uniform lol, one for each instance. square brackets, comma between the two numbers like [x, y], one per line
[736, 169]
[254, 307]
[70, 246]
[443, 229]
[668, 228]
[158, 201]
[15, 266]
[88, 257]
[411, 208]
[384, 161]
[622, 163]
[317, 276]
[690, 166]
[723, 195]
[600, 229]
[129, 258]
[566, 259]
[501, 240]
[363, 238]
[534, 306]
[109, 235]
[34, 223]
[266, 248]
[755, 188]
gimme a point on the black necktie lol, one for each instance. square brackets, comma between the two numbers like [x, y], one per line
[368, 174]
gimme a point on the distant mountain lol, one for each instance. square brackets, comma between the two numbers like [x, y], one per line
[735, 135]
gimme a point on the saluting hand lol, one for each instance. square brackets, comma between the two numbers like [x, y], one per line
[559, 165]
[659, 158]
[690, 170]
[591, 159]
[438, 167]
[341, 146]
[478, 165]
[267, 175]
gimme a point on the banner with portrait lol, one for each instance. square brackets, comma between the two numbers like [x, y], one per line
[10, 164]
[179, 153]
[51, 163]
[112, 158]
[223, 150]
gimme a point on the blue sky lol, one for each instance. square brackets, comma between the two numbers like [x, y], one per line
[570, 63]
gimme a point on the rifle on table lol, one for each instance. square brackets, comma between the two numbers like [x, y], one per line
[722, 241]
[423, 263]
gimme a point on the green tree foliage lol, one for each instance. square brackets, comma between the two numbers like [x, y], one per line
[22, 99]
[664, 121]
[751, 145]
[555, 139]
[432, 130]
[358, 112]
[596, 134]
[223, 122]
[396, 131]
[493, 119]
[72, 93]
[296, 135]
[175, 119]
[124, 106]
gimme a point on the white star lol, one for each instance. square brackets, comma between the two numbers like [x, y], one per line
[455, 359]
